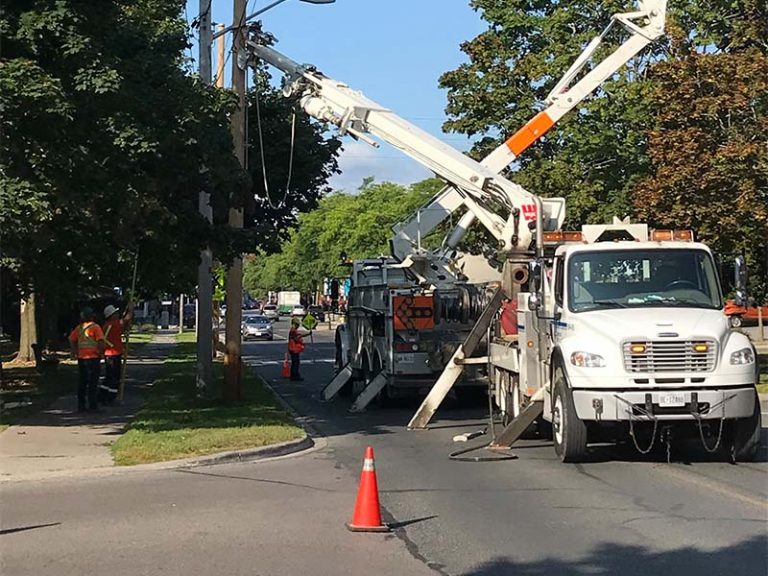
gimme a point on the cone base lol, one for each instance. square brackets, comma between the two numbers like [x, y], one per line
[382, 528]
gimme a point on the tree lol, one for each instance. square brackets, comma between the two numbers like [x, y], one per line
[597, 153]
[290, 160]
[357, 224]
[106, 140]
[709, 153]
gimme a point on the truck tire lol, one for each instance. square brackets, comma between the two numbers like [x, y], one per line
[746, 435]
[569, 433]
[736, 321]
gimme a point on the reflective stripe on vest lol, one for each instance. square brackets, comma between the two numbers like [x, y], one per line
[84, 340]
[106, 334]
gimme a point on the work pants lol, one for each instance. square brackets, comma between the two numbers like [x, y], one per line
[295, 361]
[112, 368]
[89, 370]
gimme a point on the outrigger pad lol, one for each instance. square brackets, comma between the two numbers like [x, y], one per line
[515, 429]
[337, 383]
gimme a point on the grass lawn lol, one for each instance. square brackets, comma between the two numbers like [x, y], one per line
[175, 424]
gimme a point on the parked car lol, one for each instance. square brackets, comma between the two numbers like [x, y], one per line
[255, 327]
[744, 314]
[298, 310]
[317, 312]
[270, 311]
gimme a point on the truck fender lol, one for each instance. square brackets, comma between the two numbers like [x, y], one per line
[556, 360]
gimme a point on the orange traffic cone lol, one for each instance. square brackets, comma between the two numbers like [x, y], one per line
[286, 373]
[367, 515]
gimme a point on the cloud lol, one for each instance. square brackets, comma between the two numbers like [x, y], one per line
[359, 160]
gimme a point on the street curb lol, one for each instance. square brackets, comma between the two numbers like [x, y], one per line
[271, 451]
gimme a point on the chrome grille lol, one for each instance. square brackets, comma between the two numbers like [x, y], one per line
[670, 356]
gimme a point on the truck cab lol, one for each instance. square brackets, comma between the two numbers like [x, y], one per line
[630, 331]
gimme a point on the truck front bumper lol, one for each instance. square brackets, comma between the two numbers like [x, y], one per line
[671, 405]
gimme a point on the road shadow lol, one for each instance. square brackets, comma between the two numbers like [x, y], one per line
[747, 558]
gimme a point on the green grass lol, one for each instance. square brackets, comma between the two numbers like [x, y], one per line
[175, 424]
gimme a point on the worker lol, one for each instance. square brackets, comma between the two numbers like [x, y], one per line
[87, 345]
[114, 328]
[296, 347]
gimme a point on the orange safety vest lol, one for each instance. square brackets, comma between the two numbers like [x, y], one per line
[113, 334]
[87, 335]
[295, 342]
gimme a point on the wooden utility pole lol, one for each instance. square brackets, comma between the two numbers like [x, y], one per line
[220, 57]
[234, 280]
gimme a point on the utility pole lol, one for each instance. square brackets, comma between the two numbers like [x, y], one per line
[220, 57]
[204, 373]
[234, 280]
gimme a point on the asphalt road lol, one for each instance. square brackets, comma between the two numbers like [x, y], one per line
[619, 513]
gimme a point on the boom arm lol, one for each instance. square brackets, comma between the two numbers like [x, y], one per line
[496, 202]
[644, 26]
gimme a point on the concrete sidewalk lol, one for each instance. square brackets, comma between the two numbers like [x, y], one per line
[59, 439]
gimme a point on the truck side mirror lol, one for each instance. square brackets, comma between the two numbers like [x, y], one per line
[740, 280]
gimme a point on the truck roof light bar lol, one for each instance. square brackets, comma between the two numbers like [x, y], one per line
[672, 235]
[562, 237]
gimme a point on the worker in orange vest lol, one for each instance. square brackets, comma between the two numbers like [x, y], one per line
[296, 347]
[87, 344]
[114, 329]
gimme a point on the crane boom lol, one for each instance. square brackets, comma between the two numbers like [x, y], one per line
[503, 207]
[644, 26]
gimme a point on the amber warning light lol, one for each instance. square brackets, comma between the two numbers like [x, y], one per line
[560, 237]
[669, 235]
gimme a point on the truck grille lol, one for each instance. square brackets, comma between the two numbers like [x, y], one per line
[670, 356]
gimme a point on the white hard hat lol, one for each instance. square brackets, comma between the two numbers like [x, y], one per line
[109, 310]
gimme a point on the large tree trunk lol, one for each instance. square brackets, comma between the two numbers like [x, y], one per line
[28, 334]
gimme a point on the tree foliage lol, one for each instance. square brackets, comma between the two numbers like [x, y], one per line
[629, 150]
[709, 153]
[298, 160]
[357, 224]
[104, 140]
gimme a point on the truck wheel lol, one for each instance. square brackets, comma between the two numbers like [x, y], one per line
[570, 433]
[746, 435]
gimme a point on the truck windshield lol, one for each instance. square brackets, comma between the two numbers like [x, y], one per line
[642, 278]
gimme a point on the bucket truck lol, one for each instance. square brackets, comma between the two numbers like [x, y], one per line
[661, 353]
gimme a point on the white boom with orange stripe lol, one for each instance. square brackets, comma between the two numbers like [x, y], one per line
[644, 26]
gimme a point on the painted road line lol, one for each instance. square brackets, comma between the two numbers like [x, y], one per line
[713, 485]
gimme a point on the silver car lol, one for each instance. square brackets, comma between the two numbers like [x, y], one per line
[270, 311]
[255, 327]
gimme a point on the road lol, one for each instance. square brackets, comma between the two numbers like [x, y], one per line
[620, 513]
[617, 514]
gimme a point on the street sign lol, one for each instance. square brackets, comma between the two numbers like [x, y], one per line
[309, 322]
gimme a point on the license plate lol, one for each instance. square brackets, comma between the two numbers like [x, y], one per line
[672, 399]
[406, 358]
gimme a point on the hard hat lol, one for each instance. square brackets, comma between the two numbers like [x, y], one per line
[109, 310]
[295, 322]
[86, 312]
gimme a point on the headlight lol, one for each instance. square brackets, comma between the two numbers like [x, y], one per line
[743, 356]
[587, 360]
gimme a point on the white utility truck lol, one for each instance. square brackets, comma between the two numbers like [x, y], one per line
[286, 301]
[534, 380]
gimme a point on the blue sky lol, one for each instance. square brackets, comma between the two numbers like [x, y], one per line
[391, 50]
